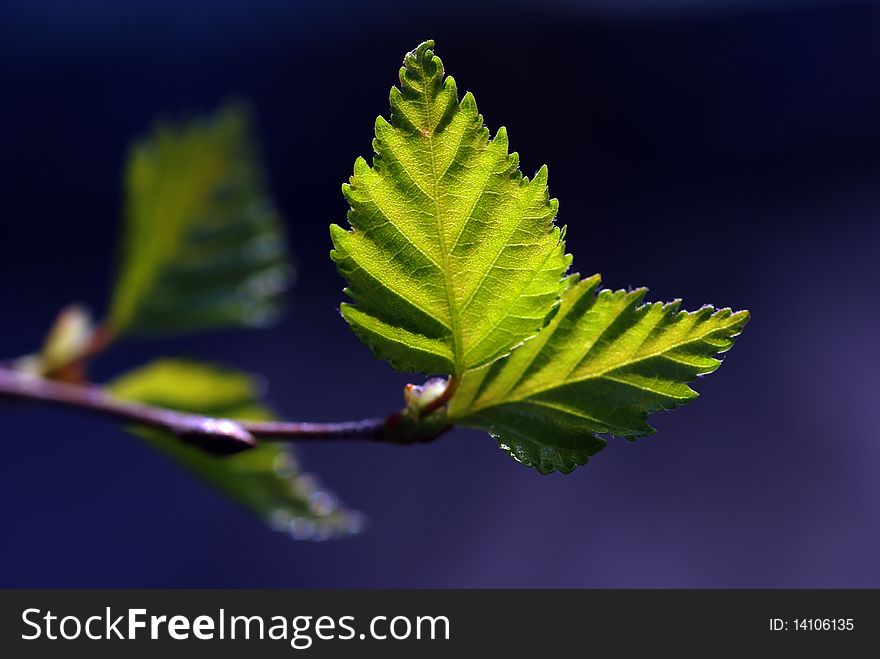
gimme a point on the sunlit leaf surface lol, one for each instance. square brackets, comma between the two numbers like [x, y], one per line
[453, 258]
[601, 366]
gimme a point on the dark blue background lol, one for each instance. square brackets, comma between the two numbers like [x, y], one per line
[725, 154]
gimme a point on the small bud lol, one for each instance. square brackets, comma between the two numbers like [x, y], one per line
[413, 425]
[68, 340]
[418, 397]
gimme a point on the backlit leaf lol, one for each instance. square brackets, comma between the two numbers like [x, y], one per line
[601, 366]
[453, 258]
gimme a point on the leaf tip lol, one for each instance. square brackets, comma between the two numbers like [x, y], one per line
[422, 48]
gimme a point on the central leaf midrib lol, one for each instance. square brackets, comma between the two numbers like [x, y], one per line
[447, 281]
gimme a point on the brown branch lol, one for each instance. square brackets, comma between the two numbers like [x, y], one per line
[215, 435]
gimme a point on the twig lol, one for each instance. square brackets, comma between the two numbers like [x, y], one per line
[215, 435]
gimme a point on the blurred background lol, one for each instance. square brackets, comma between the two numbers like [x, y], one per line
[722, 152]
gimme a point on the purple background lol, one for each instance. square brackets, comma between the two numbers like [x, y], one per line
[723, 154]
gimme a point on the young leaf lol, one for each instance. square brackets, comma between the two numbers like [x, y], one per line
[602, 364]
[264, 479]
[453, 258]
[202, 246]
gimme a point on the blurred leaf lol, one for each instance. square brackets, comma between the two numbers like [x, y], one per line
[602, 365]
[265, 479]
[202, 246]
[453, 258]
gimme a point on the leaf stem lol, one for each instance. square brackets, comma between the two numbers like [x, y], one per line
[215, 435]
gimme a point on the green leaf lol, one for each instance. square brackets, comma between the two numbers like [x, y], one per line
[453, 258]
[202, 246]
[265, 479]
[602, 364]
